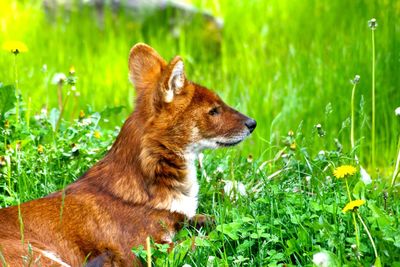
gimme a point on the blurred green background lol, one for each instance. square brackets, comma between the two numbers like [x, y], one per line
[288, 64]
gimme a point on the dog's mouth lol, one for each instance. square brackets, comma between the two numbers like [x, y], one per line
[227, 144]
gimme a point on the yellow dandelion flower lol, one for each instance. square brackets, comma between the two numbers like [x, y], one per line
[81, 114]
[96, 134]
[293, 146]
[72, 70]
[353, 204]
[343, 171]
[15, 47]
[40, 149]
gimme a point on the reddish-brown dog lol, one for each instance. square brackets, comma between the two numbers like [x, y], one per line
[146, 185]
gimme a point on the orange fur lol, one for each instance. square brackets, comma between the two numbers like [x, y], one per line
[146, 184]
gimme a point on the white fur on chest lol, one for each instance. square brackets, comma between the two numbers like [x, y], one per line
[187, 202]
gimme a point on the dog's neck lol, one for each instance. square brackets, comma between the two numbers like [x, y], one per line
[146, 171]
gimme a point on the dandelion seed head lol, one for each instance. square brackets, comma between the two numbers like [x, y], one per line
[58, 78]
[397, 111]
[372, 24]
[356, 79]
[321, 259]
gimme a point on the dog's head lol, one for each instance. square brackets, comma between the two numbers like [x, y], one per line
[179, 112]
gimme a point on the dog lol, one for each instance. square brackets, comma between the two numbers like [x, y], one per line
[146, 184]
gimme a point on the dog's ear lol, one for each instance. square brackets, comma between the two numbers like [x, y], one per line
[174, 79]
[145, 67]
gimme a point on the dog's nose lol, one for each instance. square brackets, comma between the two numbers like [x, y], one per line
[251, 124]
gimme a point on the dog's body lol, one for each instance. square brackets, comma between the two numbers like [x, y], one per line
[146, 185]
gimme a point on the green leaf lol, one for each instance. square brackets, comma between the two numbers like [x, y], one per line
[230, 229]
[380, 216]
[359, 190]
[201, 242]
[108, 111]
[7, 98]
[378, 262]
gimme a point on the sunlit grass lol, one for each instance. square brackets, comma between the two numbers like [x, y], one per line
[278, 62]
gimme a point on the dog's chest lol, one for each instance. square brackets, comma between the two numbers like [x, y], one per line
[186, 202]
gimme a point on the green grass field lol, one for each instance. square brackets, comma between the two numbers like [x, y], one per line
[288, 64]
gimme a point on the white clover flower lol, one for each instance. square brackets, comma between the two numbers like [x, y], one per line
[220, 169]
[44, 111]
[186, 265]
[328, 179]
[397, 111]
[365, 177]
[44, 68]
[321, 153]
[233, 189]
[86, 122]
[308, 179]
[58, 78]
[321, 259]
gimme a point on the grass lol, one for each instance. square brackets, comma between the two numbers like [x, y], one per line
[285, 63]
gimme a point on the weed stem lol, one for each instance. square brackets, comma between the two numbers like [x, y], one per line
[354, 218]
[16, 87]
[373, 102]
[352, 114]
[148, 248]
[396, 169]
[368, 233]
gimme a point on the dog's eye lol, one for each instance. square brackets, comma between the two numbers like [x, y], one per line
[214, 111]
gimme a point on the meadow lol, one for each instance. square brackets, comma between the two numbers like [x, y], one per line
[278, 198]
